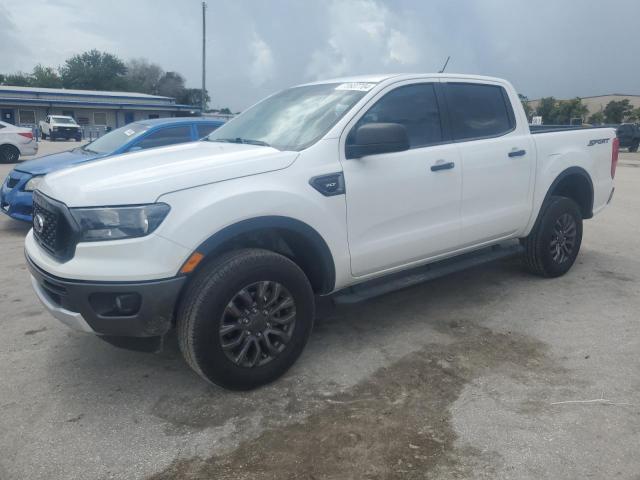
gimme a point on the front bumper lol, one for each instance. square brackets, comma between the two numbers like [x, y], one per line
[14, 201]
[91, 306]
[66, 134]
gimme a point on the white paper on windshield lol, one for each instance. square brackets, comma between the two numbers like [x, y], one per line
[357, 86]
[129, 132]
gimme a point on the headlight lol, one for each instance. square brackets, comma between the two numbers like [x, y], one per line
[33, 183]
[114, 223]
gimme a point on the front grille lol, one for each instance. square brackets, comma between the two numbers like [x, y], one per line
[45, 227]
[52, 226]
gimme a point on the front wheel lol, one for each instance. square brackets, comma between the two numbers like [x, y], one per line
[553, 245]
[245, 318]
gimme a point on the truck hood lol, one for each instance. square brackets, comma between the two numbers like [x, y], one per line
[56, 161]
[142, 177]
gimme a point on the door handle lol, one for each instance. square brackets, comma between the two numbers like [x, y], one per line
[517, 153]
[442, 166]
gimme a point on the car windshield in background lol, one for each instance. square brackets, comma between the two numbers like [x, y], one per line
[111, 141]
[293, 119]
[63, 120]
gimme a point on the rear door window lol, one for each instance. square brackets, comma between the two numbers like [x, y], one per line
[478, 111]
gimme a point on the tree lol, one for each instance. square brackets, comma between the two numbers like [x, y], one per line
[94, 70]
[143, 76]
[45, 77]
[567, 110]
[171, 84]
[634, 116]
[525, 104]
[546, 109]
[596, 119]
[225, 111]
[18, 79]
[193, 96]
[617, 111]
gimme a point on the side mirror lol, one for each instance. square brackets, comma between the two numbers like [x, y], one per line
[374, 138]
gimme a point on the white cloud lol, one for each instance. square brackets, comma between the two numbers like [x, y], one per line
[364, 35]
[262, 64]
[401, 49]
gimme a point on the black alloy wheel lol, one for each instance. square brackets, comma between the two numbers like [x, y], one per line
[257, 324]
[563, 239]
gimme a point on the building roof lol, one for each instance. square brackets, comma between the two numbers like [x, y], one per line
[611, 95]
[591, 96]
[82, 93]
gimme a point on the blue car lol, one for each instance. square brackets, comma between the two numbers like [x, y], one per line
[17, 190]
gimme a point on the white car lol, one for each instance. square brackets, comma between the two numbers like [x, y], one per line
[16, 142]
[350, 187]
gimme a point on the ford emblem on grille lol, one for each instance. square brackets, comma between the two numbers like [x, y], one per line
[38, 223]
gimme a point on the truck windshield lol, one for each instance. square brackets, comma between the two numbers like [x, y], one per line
[63, 120]
[294, 118]
[115, 139]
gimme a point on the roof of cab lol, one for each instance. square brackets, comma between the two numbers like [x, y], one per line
[377, 78]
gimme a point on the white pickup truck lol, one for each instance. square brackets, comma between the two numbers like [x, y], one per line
[350, 187]
[55, 127]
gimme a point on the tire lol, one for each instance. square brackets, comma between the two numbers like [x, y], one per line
[634, 147]
[9, 154]
[558, 226]
[214, 301]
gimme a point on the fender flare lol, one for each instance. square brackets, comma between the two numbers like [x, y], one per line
[564, 174]
[320, 248]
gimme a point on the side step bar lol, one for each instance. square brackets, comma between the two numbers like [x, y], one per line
[414, 276]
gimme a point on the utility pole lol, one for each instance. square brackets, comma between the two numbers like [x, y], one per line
[204, 55]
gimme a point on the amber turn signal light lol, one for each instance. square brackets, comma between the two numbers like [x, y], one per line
[191, 264]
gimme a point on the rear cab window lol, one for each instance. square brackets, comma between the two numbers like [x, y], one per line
[478, 111]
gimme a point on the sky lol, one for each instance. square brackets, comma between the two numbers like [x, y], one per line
[563, 48]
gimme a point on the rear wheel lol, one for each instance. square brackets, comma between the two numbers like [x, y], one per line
[9, 154]
[553, 245]
[245, 318]
[634, 147]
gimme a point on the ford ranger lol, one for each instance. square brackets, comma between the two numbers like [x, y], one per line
[350, 187]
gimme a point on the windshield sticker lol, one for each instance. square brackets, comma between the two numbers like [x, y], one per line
[129, 132]
[357, 86]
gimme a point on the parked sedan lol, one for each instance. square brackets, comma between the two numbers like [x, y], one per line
[17, 190]
[15, 141]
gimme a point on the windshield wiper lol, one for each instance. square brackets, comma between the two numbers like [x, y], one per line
[247, 141]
